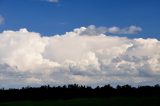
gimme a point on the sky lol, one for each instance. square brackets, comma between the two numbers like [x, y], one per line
[87, 42]
[59, 16]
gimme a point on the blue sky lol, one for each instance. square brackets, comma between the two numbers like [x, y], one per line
[49, 18]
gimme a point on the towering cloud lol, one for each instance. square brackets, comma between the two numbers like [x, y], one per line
[83, 56]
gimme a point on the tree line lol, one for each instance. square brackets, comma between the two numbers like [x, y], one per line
[76, 91]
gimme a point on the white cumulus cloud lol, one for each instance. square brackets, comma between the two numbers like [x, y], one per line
[28, 58]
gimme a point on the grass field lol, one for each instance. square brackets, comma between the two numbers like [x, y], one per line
[114, 101]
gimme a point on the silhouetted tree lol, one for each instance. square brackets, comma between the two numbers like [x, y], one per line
[76, 91]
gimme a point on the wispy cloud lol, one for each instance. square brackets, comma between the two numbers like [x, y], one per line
[128, 30]
[53, 1]
[93, 30]
[1, 20]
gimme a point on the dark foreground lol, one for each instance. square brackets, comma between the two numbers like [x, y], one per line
[112, 101]
[77, 95]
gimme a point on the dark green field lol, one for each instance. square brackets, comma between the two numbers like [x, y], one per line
[114, 101]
